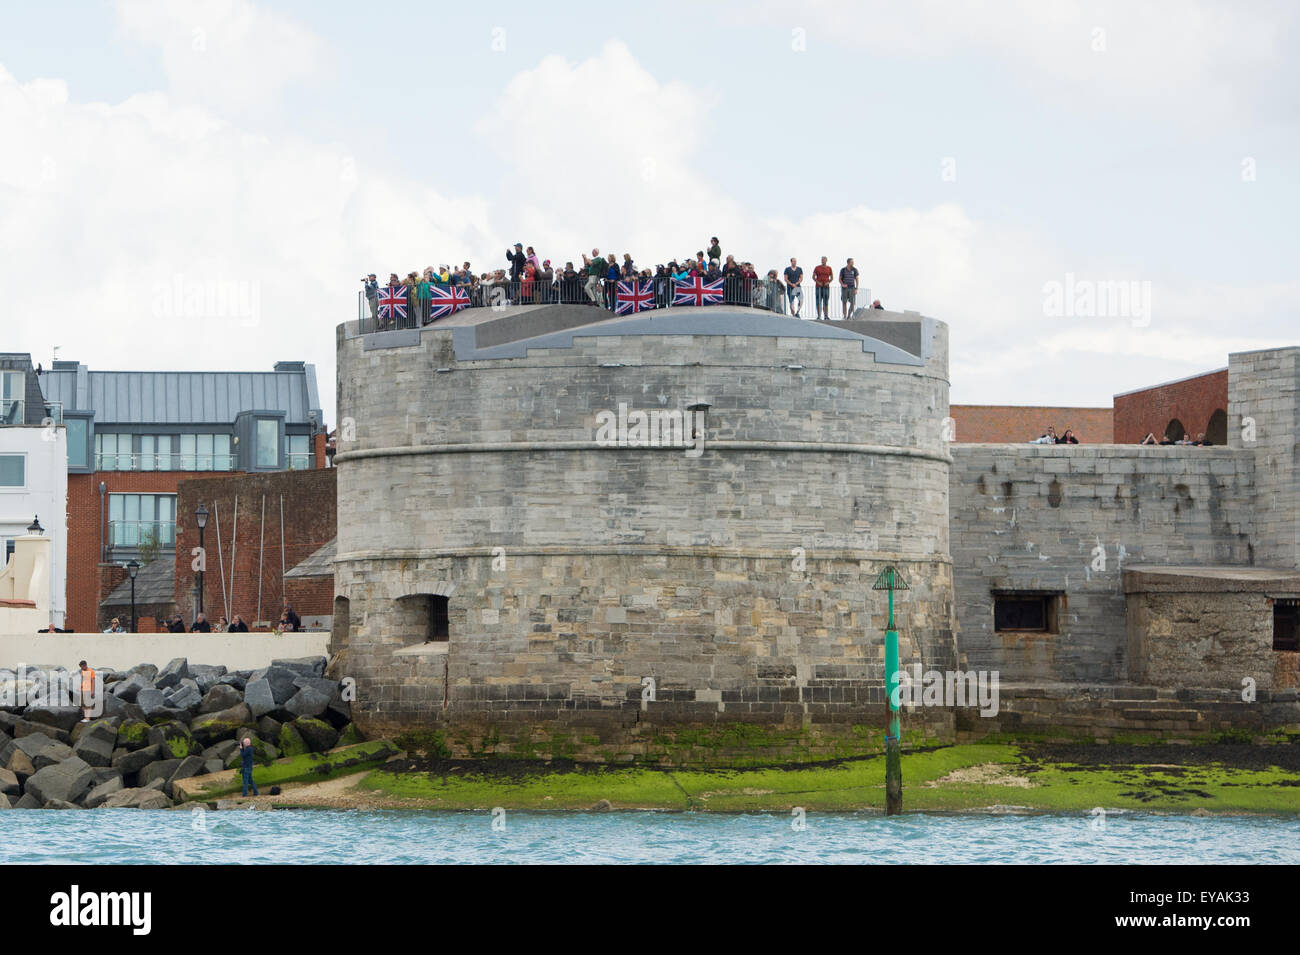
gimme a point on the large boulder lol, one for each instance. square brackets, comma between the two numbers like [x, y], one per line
[308, 701]
[28, 801]
[137, 799]
[206, 676]
[151, 701]
[60, 717]
[160, 772]
[281, 680]
[191, 766]
[60, 804]
[54, 753]
[220, 697]
[20, 764]
[174, 738]
[96, 742]
[9, 784]
[259, 696]
[27, 728]
[101, 792]
[268, 727]
[350, 735]
[172, 674]
[213, 766]
[186, 698]
[148, 670]
[317, 734]
[221, 750]
[291, 741]
[113, 707]
[133, 734]
[128, 690]
[104, 773]
[131, 762]
[68, 780]
[31, 744]
[264, 753]
[221, 725]
[237, 680]
[303, 666]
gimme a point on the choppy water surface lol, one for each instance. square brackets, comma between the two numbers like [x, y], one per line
[330, 836]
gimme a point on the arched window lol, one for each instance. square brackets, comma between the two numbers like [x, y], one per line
[342, 622]
[1175, 430]
[1216, 432]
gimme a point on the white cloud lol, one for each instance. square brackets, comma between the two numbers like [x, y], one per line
[226, 54]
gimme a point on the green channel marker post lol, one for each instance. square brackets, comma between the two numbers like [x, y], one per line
[890, 580]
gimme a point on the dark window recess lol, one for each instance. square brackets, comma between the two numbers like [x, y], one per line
[1033, 613]
[1286, 618]
[438, 626]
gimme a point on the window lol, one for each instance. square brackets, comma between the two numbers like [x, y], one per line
[1025, 611]
[112, 451]
[142, 519]
[268, 443]
[13, 470]
[298, 448]
[13, 388]
[205, 452]
[423, 617]
[78, 452]
[1286, 616]
[155, 452]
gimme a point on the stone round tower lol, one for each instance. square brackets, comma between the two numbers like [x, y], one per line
[602, 532]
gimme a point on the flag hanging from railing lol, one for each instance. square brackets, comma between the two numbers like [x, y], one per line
[446, 299]
[392, 302]
[633, 297]
[696, 291]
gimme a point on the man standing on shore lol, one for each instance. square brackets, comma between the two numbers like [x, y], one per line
[246, 765]
[87, 691]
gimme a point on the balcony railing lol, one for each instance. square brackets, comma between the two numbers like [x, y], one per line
[300, 460]
[760, 294]
[163, 461]
[136, 533]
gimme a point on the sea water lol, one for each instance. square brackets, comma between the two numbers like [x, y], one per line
[306, 836]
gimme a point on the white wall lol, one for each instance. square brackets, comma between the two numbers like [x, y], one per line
[121, 651]
[45, 495]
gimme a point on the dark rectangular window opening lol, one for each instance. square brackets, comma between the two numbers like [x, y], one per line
[438, 625]
[1026, 612]
[1286, 624]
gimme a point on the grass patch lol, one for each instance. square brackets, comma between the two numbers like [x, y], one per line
[309, 767]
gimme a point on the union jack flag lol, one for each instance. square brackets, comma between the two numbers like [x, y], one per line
[633, 297]
[447, 299]
[696, 291]
[392, 302]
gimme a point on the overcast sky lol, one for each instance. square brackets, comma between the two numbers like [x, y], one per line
[201, 184]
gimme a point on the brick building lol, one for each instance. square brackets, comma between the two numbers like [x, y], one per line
[133, 436]
[260, 528]
[998, 424]
[1188, 405]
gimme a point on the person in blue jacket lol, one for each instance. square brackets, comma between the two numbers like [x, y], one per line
[246, 762]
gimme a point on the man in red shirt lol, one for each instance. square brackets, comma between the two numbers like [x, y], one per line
[822, 276]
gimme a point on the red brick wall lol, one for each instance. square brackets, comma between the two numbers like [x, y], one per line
[992, 424]
[1191, 401]
[84, 533]
[310, 522]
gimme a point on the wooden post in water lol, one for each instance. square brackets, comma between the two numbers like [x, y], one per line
[890, 580]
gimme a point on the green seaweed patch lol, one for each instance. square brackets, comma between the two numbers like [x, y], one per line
[307, 767]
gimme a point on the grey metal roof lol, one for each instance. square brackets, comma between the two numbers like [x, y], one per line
[154, 584]
[319, 564]
[183, 397]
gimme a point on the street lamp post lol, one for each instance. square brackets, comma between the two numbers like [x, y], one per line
[890, 580]
[132, 569]
[201, 518]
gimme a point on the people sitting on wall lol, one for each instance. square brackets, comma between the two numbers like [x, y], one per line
[176, 625]
[1048, 437]
[876, 304]
[291, 617]
[237, 625]
[1149, 439]
[222, 625]
[1200, 440]
[115, 626]
[1166, 440]
[201, 625]
[1067, 438]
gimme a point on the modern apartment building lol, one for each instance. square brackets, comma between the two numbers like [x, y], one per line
[132, 436]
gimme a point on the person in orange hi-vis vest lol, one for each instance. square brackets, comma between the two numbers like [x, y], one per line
[87, 691]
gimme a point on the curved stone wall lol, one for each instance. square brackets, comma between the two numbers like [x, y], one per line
[735, 575]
